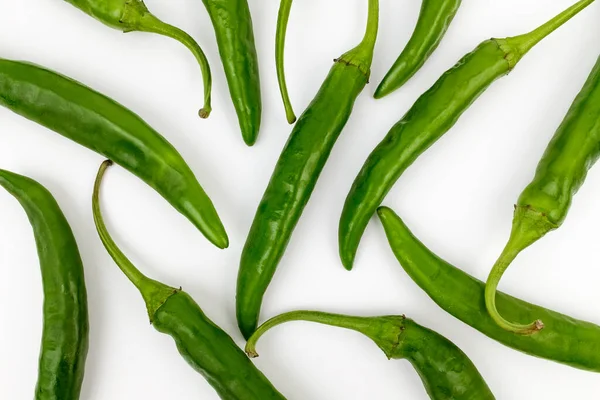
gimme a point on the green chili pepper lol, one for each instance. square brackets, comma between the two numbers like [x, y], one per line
[434, 20]
[133, 15]
[235, 37]
[205, 346]
[65, 335]
[445, 370]
[565, 339]
[543, 205]
[434, 113]
[282, 22]
[297, 171]
[106, 127]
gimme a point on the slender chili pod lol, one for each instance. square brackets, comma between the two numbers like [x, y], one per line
[434, 113]
[235, 38]
[433, 23]
[65, 336]
[445, 370]
[106, 127]
[282, 22]
[133, 15]
[545, 202]
[565, 339]
[205, 346]
[297, 172]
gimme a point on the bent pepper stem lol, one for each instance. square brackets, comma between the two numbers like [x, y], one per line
[529, 225]
[361, 56]
[154, 293]
[282, 23]
[149, 23]
[372, 327]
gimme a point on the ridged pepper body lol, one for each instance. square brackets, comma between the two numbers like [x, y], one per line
[106, 127]
[232, 22]
[65, 335]
[292, 184]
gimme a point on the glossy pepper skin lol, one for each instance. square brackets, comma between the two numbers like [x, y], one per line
[106, 127]
[205, 346]
[447, 373]
[65, 336]
[433, 23]
[565, 339]
[434, 113]
[545, 202]
[297, 172]
[133, 15]
[232, 22]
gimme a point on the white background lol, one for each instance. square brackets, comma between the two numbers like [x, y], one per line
[457, 198]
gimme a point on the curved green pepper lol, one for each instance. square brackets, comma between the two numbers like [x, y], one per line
[545, 202]
[297, 172]
[65, 336]
[133, 15]
[433, 114]
[106, 127]
[446, 372]
[565, 339]
[203, 345]
[434, 20]
[232, 22]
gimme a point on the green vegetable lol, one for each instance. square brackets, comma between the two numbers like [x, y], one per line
[445, 370]
[106, 127]
[297, 172]
[205, 346]
[133, 15]
[434, 113]
[543, 205]
[65, 336]
[565, 339]
[434, 20]
[232, 22]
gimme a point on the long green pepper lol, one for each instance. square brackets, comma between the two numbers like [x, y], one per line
[65, 336]
[545, 202]
[133, 15]
[433, 114]
[232, 22]
[203, 345]
[446, 372]
[297, 172]
[433, 23]
[565, 339]
[106, 127]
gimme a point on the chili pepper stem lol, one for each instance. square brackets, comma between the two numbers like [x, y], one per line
[362, 55]
[529, 225]
[384, 331]
[282, 23]
[154, 293]
[137, 17]
[518, 46]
